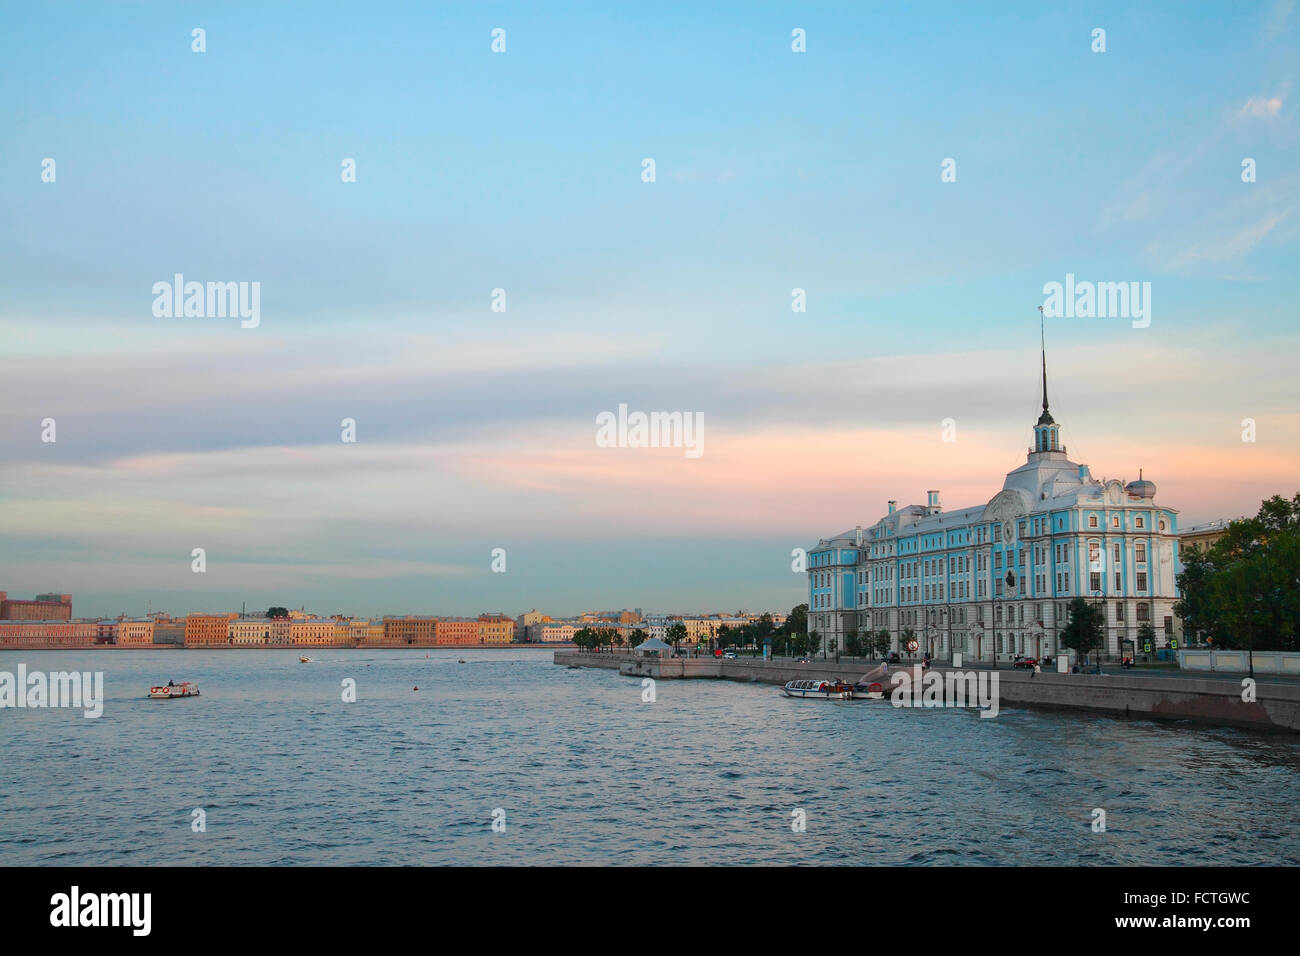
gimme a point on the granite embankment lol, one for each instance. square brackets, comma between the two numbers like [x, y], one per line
[1276, 706]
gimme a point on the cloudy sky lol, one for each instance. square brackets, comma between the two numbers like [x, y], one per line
[522, 171]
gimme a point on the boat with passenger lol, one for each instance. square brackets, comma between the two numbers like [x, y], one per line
[170, 690]
[304, 660]
[819, 689]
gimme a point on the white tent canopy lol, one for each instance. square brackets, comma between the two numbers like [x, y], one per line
[653, 645]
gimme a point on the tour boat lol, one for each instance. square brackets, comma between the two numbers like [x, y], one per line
[304, 660]
[186, 688]
[872, 691]
[820, 689]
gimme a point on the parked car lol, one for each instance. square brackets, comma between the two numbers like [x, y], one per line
[730, 655]
[1026, 662]
[803, 660]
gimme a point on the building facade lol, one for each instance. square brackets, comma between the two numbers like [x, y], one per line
[495, 629]
[135, 632]
[46, 607]
[207, 630]
[995, 580]
[246, 632]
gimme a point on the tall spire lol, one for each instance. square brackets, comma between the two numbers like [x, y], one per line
[1042, 339]
[1046, 417]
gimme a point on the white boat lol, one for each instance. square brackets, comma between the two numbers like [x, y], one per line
[872, 691]
[304, 660]
[819, 689]
[186, 688]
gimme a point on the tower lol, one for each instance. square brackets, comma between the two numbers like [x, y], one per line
[1047, 434]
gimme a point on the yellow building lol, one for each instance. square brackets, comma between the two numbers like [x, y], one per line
[311, 632]
[137, 633]
[495, 629]
[243, 632]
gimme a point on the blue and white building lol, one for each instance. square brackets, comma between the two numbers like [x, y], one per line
[997, 578]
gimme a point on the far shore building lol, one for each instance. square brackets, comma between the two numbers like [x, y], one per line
[456, 631]
[250, 632]
[46, 607]
[552, 633]
[525, 621]
[47, 633]
[495, 629]
[996, 579]
[169, 633]
[280, 632]
[410, 631]
[311, 632]
[135, 632]
[208, 630]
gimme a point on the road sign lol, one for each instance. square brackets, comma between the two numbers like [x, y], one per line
[912, 646]
[1146, 648]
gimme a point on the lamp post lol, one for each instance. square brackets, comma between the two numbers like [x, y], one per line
[1101, 612]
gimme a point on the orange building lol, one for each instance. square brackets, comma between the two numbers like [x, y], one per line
[42, 633]
[208, 630]
[46, 607]
[495, 629]
[456, 631]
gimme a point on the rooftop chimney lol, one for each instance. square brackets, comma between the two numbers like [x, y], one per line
[893, 506]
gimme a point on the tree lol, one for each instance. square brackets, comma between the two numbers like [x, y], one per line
[797, 621]
[852, 642]
[1244, 592]
[676, 634]
[903, 639]
[1083, 633]
[883, 640]
[833, 647]
[274, 612]
[814, 642]
[1146, 636]
[637, 637]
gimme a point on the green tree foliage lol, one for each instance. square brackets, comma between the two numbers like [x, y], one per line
[1083, 633]
[1244, 592]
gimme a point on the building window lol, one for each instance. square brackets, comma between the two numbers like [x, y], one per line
[1092, 521]
[1094, 580]
[1141, 580]
[1119, 610]
[1141, 522]
[1144, 611]
[1140, 551]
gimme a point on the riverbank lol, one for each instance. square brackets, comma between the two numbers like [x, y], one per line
[301, 648]
[1275, 707]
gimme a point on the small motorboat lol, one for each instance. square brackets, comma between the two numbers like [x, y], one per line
[872, 691]
[186, 688]
[304, 660]
[820, 689]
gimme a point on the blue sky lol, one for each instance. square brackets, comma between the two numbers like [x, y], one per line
[521, 171]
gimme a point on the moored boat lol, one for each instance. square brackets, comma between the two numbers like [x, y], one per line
[186, 688]
[819, 689]
[872, 691]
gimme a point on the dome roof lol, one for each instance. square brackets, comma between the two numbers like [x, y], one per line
[1141, 488]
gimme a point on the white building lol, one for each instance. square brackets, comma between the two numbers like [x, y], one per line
[998, 578]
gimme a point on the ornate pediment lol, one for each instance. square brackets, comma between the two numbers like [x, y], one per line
[1007, 505]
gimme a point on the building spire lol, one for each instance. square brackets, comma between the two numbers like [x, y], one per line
[1042, 339]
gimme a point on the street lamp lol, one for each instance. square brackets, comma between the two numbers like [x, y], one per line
[1101, 612]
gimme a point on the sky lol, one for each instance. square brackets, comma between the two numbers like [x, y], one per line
[774, 170]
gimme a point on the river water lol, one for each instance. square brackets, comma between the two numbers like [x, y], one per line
[286, 772]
